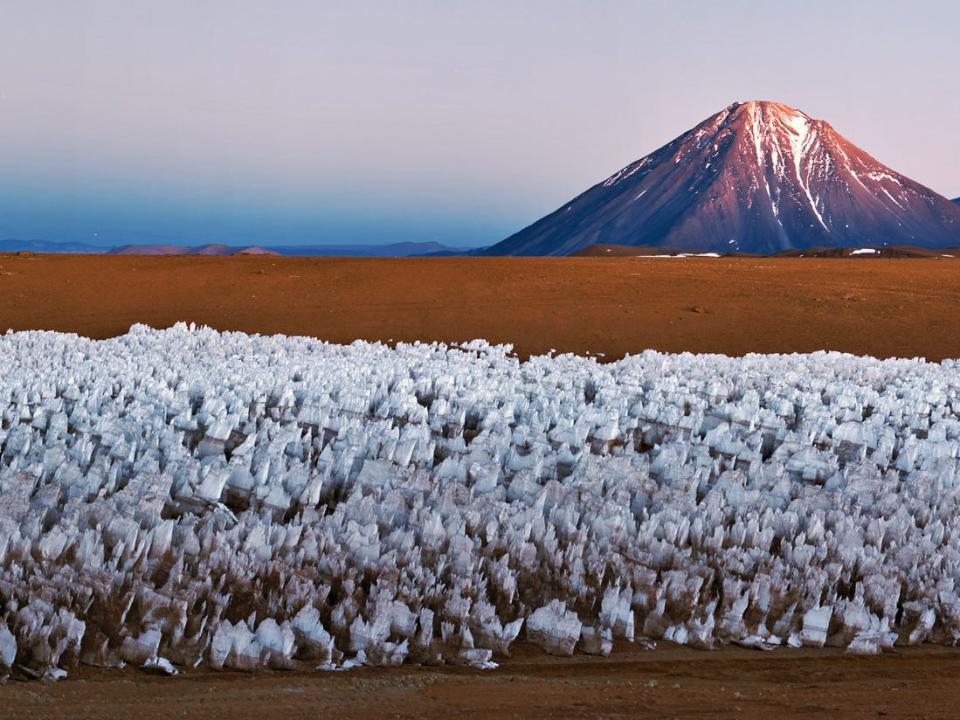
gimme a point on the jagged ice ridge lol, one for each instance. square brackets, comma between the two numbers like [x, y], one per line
[185, 497]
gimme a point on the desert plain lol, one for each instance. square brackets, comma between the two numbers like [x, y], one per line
[603, 306]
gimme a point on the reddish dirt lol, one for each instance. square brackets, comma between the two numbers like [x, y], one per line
[667, 683]
[615, 306]
[908, 307]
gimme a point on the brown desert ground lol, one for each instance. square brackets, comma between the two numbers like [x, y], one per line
[881, 307]
[614, 306]
[668, 682]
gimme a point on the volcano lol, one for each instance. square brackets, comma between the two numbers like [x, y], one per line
[757, 177]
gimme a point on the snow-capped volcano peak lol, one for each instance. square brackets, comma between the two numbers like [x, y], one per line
[758, 176]
[788, 141]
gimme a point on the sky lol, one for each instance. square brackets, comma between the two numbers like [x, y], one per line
[312, 121]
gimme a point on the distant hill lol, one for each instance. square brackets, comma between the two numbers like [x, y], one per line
[957, 201]
[758, 177]
[405, 249]
[214, 249]
[42, 246]
[408, 249]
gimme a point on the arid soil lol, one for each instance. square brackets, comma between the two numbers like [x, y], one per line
[662, 683]
[881, 307]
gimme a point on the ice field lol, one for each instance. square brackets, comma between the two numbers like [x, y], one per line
[184, 497]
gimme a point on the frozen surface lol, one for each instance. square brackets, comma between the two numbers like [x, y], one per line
[178, 498]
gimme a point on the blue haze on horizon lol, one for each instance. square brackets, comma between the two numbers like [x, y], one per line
[458, 122]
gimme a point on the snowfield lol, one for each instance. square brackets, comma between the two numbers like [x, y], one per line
[184, 497]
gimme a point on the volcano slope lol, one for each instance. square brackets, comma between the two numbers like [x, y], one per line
[757, 177]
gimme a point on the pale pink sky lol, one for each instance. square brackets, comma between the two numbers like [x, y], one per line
[298, 121]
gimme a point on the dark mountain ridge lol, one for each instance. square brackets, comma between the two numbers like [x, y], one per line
[403, 249]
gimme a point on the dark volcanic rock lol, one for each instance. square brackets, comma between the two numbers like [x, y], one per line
[757, 177]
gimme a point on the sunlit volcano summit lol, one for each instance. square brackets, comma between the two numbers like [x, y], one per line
[755, 177]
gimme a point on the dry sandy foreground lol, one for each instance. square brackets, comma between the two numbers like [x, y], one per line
[667, 683]
[615, 306]
[880, 307]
